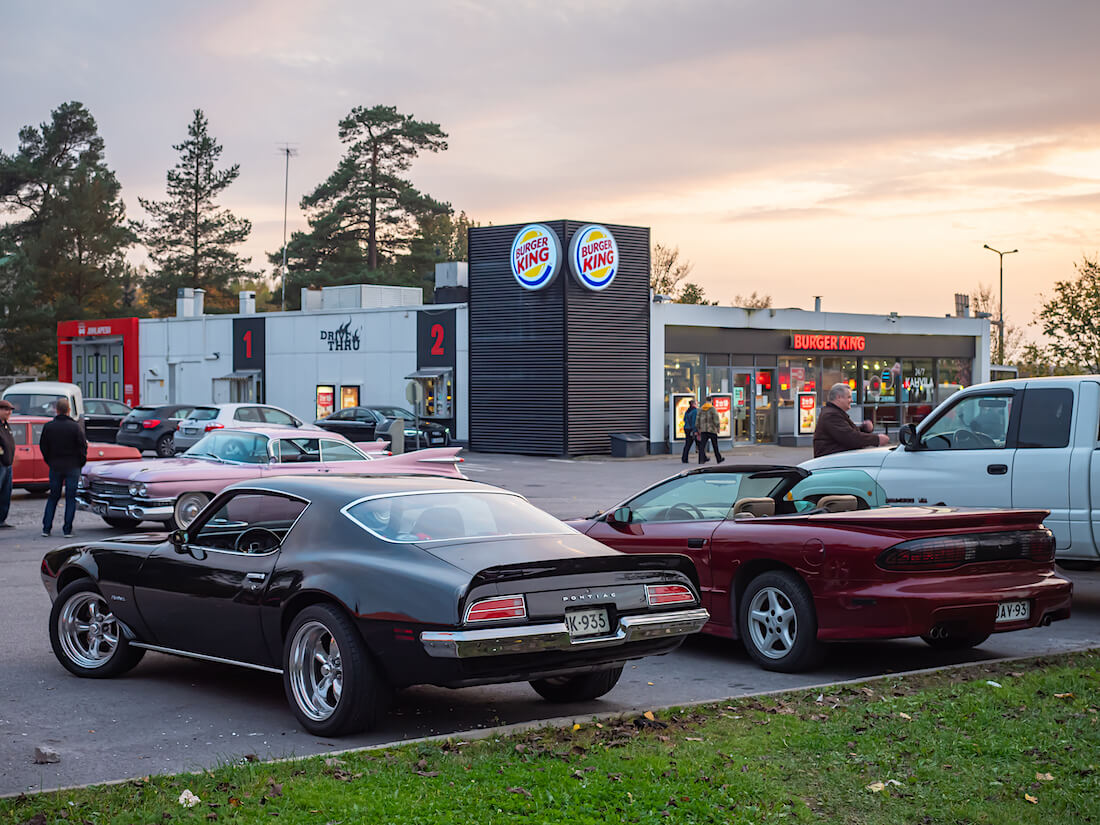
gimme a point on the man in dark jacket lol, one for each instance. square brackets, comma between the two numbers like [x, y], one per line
[7, 457]
[689, 430]
[65, 451]
[836, 432]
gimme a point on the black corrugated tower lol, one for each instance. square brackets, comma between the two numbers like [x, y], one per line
[556, 371]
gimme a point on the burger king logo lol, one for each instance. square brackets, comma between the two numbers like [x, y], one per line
[594, 257]
[536, 254]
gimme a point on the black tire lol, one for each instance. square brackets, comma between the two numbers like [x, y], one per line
[962, 641]
[578, 688]
[166, 446]
[790, 623]
[121, 522]
[363, 695]
[75, 649]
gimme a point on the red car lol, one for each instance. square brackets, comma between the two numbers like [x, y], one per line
[785, 566]
[29, 470]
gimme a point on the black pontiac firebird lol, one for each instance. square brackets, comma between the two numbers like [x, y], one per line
[350, 587]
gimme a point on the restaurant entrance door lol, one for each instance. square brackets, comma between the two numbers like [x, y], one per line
[741, 417]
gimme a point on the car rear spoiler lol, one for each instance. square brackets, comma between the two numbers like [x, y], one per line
[589, 564]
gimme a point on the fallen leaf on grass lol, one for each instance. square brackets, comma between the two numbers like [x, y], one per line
[251, 757]
[649, 683]
[234, 802]
[428, 774]
[1034, 800]
[274, 788]
[991, 683]
[523, 791]
[649, 714]
[694, 739]
[906, 717]
[1063, 695]
[188, 799]
[576, 726]
[1044, 777]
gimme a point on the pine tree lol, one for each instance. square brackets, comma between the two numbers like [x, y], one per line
[64, 251]
[189, 238]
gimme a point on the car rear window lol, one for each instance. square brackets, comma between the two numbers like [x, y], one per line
[142, 413]
[204, 413]
[412, 518]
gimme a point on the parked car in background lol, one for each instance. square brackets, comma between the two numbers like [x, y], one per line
[210, 417]
[152, 427]
[370, 422]
[30, 472]
[785, 565]
[40, 398]
[174, 490]
[353, 587]
[1031, 442]
[103, 417]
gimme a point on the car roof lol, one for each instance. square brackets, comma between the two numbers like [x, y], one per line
[276, 431]
[29, 419]
[342, 489]
[112, 400]
[59, 387]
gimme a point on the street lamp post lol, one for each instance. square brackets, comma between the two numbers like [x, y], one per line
[1001, 302]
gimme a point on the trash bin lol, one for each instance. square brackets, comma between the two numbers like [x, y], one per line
[629, 445]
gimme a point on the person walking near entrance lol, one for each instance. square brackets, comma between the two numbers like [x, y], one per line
[65, 451]
[708, 425]
[691, 433]
[7, 458]
[836, 432]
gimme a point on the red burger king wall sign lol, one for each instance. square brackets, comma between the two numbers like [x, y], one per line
[594, 257]
[536, 256]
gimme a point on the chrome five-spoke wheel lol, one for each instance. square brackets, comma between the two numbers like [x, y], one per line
[316, 676]
[773, 623]
[778, 622]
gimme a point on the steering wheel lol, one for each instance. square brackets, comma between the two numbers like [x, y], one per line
[233, 451]
[966, 440]
[257, 540]
[690, 509]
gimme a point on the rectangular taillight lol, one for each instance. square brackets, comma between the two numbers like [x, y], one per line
[497, 608]
[948, 552]
[213, 426]
[151, 423]
[658, 594]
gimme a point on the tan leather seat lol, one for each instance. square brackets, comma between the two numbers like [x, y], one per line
[838, 504]
[754, 507]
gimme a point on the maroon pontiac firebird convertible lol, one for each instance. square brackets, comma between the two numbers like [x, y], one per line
[785, 564]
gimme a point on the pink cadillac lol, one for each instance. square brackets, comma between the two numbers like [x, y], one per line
[174, 490]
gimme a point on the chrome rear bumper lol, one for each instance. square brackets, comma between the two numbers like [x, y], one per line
[505, 641]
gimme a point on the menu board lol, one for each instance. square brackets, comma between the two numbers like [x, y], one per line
[677, 407]
[807, 413]
[723, 404]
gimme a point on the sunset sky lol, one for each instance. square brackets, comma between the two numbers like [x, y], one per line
[861, 151]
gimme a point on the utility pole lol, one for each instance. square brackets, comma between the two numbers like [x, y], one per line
[1001, 302]
[287, 150]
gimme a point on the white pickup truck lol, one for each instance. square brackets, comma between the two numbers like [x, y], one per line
[1029, 442]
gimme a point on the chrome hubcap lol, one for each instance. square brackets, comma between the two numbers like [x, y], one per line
[316, 676]
[188, 508]
[772, 623]
[87, 630]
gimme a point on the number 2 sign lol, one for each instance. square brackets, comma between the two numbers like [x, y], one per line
[435, 338]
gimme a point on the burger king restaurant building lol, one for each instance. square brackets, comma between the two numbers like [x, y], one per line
[548, 342]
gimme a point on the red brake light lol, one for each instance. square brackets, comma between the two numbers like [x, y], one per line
[947, 552]
[496, 608]
[151, 423]
[213, 426]
[657, 594]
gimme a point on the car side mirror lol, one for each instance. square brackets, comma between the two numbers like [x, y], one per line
[179, 540]
[272, 460]
[908, 438]
[622, 515]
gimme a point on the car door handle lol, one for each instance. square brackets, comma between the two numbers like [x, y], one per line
[256, 577]
[696, 542]
[997, 469]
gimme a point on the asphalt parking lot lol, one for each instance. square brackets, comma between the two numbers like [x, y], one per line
[172, 714]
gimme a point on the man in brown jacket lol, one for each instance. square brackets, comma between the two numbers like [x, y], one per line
[708, 425]
[836, 432]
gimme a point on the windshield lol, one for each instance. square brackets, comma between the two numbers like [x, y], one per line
[416, 517]
[699, 496]
[33, 403]
[246, 448]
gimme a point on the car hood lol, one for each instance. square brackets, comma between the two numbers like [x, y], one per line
[161, 469]
[474, 555]
[869, 457]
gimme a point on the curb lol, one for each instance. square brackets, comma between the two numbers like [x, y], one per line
[568, 721]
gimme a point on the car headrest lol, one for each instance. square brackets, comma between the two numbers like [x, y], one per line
[754, 507]
[440, 523]
[837, 504]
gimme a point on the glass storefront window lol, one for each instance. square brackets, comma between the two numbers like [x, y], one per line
[718, 375]
[682, 373]
[917, 388]
[881, 375]
[838, 371]
[795, 375]
[954, 374]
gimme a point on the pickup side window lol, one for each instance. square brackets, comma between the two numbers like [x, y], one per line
[1045, 418]
[977, 422]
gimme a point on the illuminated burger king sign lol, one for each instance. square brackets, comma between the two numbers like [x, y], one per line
[594, 257]
[536, 255]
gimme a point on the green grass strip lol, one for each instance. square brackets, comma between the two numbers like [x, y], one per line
[1007, 743]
